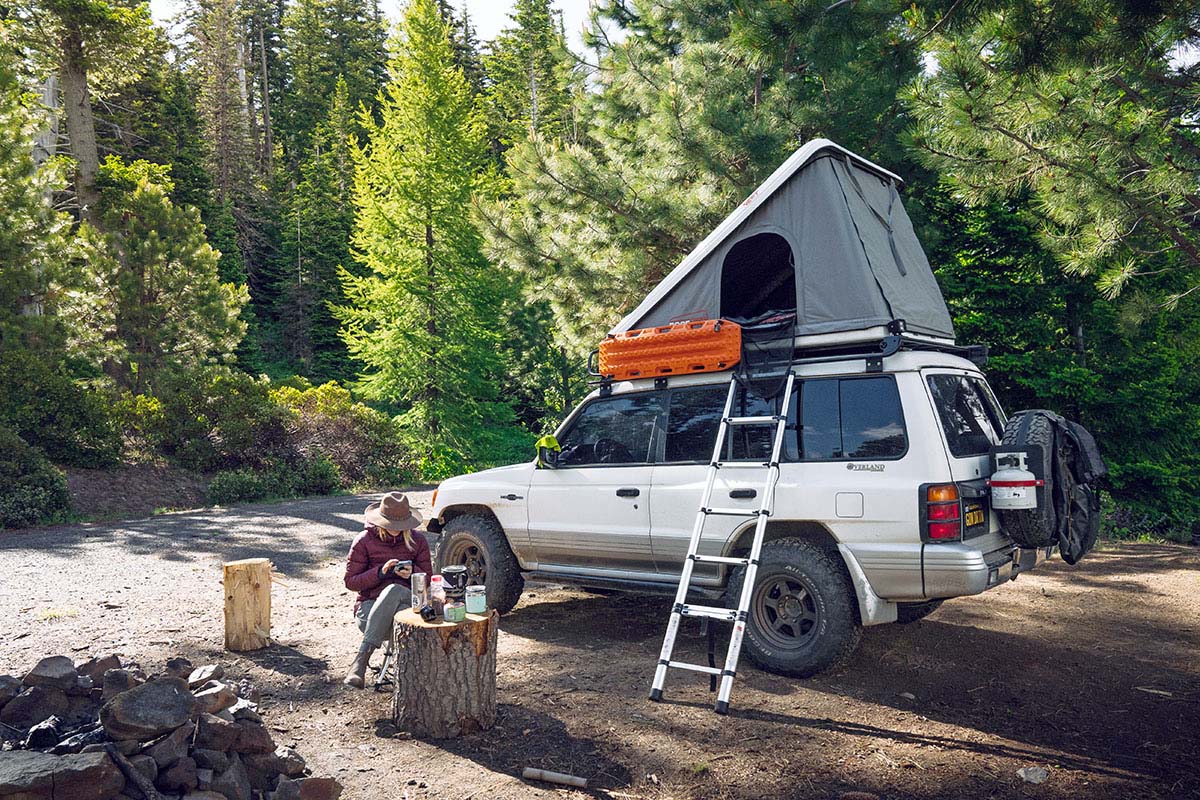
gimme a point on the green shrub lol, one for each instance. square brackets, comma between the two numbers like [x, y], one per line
[32, 491]
[319, 476]
[215, 419]
[237, 486]
[364, 444]
[50, 411]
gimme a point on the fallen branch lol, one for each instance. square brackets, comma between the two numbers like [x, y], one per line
[132, 774]
[554, 777]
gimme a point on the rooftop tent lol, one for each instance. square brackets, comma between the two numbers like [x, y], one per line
[826, 236]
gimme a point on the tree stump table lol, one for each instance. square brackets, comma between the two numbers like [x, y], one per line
[445, 674]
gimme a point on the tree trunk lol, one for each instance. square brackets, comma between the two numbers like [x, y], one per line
[445, 675]
[268, 143]
[81, 127]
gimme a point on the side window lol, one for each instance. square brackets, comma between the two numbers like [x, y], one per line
[844, 418]
[970, 418]
[612, 430]
[692, 423]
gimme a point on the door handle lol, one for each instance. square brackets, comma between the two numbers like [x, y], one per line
[628, 492]
[743, 494]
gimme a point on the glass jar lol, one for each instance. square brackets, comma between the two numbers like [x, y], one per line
[476, 599]
[455, 611]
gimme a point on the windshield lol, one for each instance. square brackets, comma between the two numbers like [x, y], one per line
[971, 419]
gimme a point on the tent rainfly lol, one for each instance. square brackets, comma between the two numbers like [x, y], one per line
[825, 236]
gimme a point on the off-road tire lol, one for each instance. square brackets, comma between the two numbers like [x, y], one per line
[500, 571]
[907, 613]
[1033, 527]
[834, 633]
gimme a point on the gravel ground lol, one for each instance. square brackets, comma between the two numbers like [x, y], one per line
[1091, 672]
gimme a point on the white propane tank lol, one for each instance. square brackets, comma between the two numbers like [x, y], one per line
[1013, 487]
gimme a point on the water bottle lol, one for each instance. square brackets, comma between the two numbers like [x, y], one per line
[419, 590]
[437, 594]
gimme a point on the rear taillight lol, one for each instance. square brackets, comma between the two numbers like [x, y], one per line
[943, 513]
[433, 502]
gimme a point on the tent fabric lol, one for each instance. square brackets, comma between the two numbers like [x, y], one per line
[858, 263]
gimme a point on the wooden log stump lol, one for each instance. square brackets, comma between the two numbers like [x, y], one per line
[247, 604]
[445, 675]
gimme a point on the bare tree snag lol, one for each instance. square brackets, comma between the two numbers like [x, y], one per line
[81, 127]
[247, 604]
[445, 675]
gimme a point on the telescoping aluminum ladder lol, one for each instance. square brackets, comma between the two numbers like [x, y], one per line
[737, 616]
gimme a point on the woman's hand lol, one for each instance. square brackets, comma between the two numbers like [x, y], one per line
[387, 568]
[404, 573]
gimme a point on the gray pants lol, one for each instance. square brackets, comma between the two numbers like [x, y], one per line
[375, 616]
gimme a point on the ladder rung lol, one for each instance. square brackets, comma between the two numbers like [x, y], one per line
[771, 420]
[734, 512]
[693, 667]
[721, 559]
[712, 612]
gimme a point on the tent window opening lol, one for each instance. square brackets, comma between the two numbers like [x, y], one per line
[759, 275]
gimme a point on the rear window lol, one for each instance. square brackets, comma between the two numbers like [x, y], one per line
[971, 419]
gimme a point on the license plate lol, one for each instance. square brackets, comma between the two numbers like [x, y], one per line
[974, 516]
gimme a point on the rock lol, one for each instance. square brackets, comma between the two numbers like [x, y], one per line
[119, 681]
[234, 783]
[319, 789]
[32, 706]
[80, 711]
[30, 775]
[203, 796]
[253, 738]
[249, 691]
[285, 790]
[149, 710]
[291, 763]
[858, 796]
[204, 779]
[172, 747]
[179, 777]
[264, 769]
[44, 735]
[179, 667]
[243, 709]
[10, 687]
[80, 740]
[56, 671]
[1033, 774]
[96, 667]
[214, 733]
[128, 747]
[145, 765]
[216, 699]
[215, 760]
[82, 688]
[202, 675]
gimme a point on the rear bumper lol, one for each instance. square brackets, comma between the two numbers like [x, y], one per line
[953, 570]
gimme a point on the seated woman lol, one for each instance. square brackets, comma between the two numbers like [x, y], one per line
[390, 537]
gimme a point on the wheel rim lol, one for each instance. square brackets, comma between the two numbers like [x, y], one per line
[785, 612]
[469, 553]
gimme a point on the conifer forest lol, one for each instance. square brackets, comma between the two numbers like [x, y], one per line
[298, 246]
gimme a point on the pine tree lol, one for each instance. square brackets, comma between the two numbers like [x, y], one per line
[531, 76]
[325, 41]
[1081, 104]
[422, 321]
[315, 244]
[149, 297]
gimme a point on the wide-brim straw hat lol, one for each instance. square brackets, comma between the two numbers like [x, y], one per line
[393, 513]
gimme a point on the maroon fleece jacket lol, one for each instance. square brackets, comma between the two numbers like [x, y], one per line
[369, 553]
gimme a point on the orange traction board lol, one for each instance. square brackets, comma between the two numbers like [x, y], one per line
[680, 348]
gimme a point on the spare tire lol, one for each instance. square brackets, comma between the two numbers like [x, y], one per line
[1033, 527]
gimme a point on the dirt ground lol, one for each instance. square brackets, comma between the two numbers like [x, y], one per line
[1091, 672]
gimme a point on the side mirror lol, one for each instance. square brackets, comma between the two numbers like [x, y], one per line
[547, 452]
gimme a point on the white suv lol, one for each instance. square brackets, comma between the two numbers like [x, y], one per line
[881, 512]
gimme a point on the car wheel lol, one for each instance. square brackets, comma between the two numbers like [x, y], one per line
[803, 617]
[911, 612]
[479, 544]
